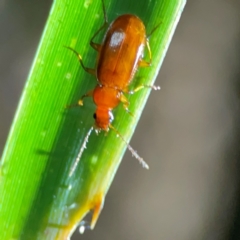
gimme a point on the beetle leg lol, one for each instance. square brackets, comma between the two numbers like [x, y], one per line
[89, 70]
[144, 63]
[126, 103]
[88, 94]
[80, 101]
[153, 30]
[94, 45]
[144, 86]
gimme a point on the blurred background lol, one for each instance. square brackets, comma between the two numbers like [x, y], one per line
[189, 131]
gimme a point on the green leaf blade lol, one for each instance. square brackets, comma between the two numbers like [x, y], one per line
[39, 200]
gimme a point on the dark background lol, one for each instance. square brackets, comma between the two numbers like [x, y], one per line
[189, 131]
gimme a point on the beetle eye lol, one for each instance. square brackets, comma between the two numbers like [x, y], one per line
[94, 115]
[110, 117]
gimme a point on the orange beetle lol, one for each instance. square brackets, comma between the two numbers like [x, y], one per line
[119, 57]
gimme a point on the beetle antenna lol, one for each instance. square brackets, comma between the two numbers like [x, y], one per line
[134, 153]
[77, 160]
